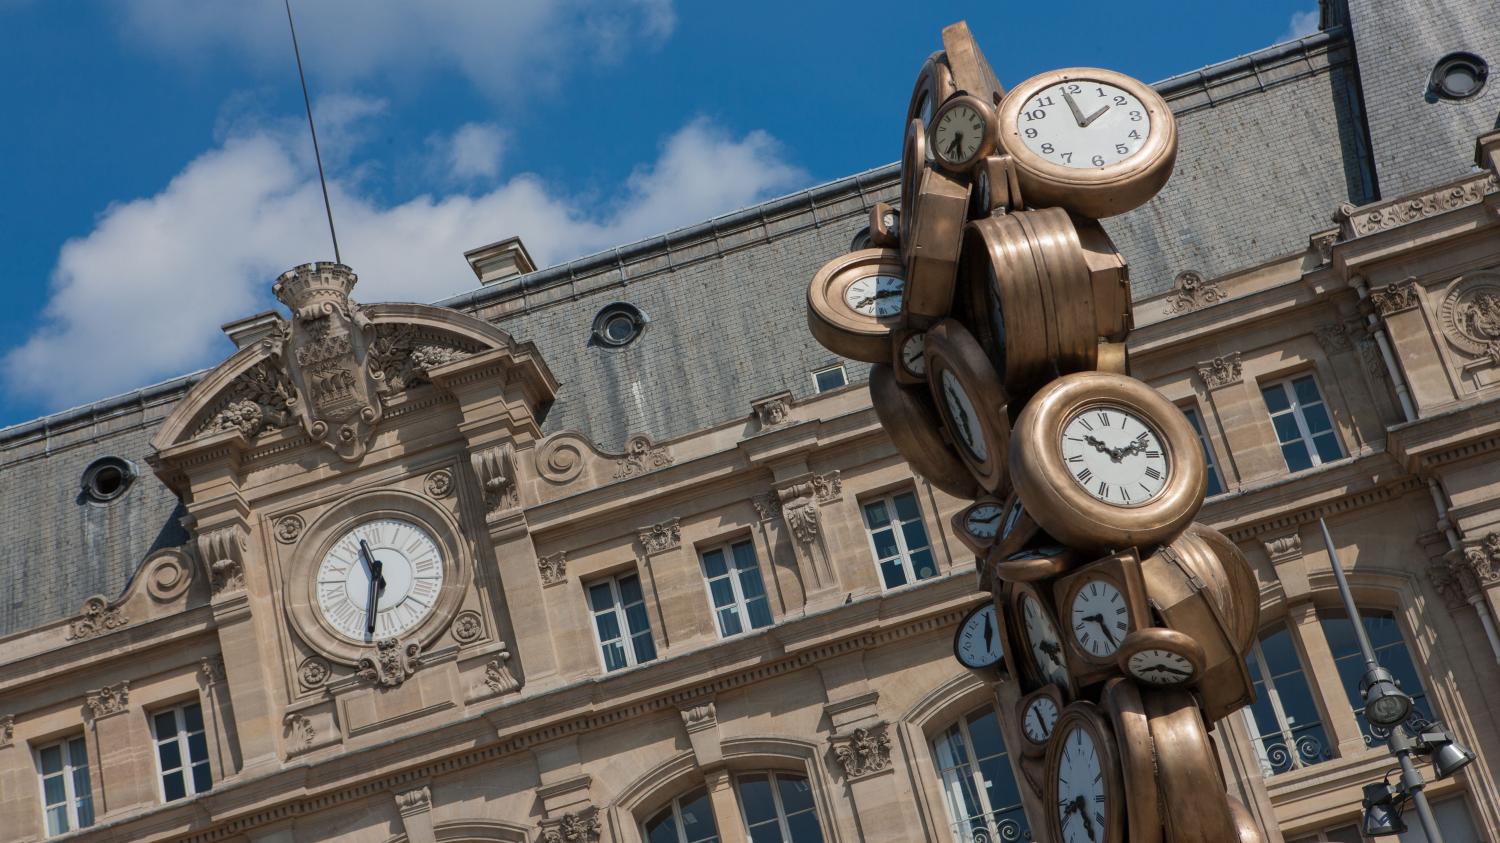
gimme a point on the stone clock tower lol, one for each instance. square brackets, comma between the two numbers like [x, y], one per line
[396, 423]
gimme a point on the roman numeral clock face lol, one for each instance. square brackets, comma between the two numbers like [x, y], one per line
[391, 565]
[1081, 800]
[1115, 456]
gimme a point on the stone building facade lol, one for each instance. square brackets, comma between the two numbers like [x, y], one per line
[690, 591]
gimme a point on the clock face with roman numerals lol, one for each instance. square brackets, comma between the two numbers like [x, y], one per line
[1082, 798]
[1115, 455]
[388, 563]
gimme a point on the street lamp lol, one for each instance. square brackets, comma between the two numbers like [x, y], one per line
[1385, 703]
[1382, 805]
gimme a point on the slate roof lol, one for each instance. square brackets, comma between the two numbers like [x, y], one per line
[1270, 144]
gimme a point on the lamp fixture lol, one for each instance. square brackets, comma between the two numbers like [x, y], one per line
[1382, 804]
[1385, 703]
[1448, 755]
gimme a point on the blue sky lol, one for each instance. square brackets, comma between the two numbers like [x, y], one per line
[155, 174]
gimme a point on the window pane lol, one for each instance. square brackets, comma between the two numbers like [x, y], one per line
[984, 731]
[614, 656]
[915, 535]
[744, 556]
[722, 592]
[166, 725]
[1328, 447]
[645, 648]
[796, 793]
[766, 833]
[600, 597]
[53, 790]
[760, 613]
[202, 778]
[662, 828]
[1286, 428]
[875, 515]
[1275, 398]
[713, 564]
[635, 618]
[755, 798]
[171, 755]
[729, 622]
[1317, 419]
[78, 753]
[906, 507]
[1000, 785]
[698, 817]
[57, 819]
[197, 748]
[830, 379]
[1307, 390]
[172, 786]
[52, 759]
[1215, 487]
[1296, 456]
[885, 543]
[630, 589]
[750, 583]
[892, 573]
[804, 828]
[193, 716]
[921, 564]
[608, 625]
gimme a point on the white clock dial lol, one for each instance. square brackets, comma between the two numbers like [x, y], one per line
[911, 354]
[983, 522]
[1100, 617]
[408, 562]
[1083, 124]
[875, 295]
[1040, 717]
[964, 418]
[978, 643]
[958, 133]
[1115, 456]
[1081, 801]
[1046, 647]
[1160, 667]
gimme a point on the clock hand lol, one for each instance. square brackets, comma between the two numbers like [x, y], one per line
[1088, 824]
[954, 150]
[377, 584]
[1099, 619]
[963, 415]
[1097, 443]
[1095, 116]
[989, 632]
[1040, 726]
[1164, 669]
[1051, 649]
[1077, 114]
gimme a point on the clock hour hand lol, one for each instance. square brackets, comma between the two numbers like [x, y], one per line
[1099, 620]
[1077, 114]
[989, 633]
[1051, 648]
[1099, 445]
[954, 146]
[1164, 669]
[1084, 122]
[1088, 824]
[377, 584]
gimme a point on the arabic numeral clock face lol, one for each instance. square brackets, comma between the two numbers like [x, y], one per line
[1100, 618]
[1084, 124]
[1115, 456]
[403, 583]
[978, 643]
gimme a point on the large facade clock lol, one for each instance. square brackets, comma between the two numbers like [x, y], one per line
[380, 579]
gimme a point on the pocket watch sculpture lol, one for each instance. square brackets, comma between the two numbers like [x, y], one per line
[997, 313]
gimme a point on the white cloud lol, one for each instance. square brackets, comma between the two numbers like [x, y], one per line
[141, 296]
[505, 48]
[1301, 25]
[474, 151]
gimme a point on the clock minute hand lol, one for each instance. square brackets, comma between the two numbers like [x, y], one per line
[377, 584]
[1099, 620]
[1084, 122]
[1077, 114]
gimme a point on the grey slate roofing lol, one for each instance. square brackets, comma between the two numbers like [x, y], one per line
[1270, 144]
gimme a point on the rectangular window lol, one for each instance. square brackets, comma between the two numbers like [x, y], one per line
[620, 621]
[181, 751]
[67, 801]
[832, 377]
[735, 588]
[1215, 481]
[1303, 426]
[899, 539]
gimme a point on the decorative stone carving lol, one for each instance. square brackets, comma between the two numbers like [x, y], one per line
[641, 457]
[211, 668]
[258, 401]
[1447, 583]
[659, 538]
[560, 458]
[1322, 245]
[573, 827]
[299, 733]
[1395, 298]
[700, 716]
[863, 752]
[221, 551]
[414, 801]
[1470, 316]
[1483, 560]
[1284, 548]
[800, 500]
[289, 528]
[1369, 354]
[1190, 292]
[496, 469]
[802, 517]
[392, 663]
[313, 672]
[439, 484]
[1360, 222]
[111, 699]
[772, 411]
[497, 675]
[403, 355]
[467, 627]
[7, 730]
[553, 568]
[765, 506]
[98, 617]
[1221, 371]
[168, 574]
[1333, 337]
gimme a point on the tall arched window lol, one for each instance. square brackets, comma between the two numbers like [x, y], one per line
[689, 819]
[984, 801]
[1284, 722]
[778, 808]
[1390, 650]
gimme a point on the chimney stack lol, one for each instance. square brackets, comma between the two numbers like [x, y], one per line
[500, 261]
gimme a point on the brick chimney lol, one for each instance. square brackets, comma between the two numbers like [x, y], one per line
[500, 261]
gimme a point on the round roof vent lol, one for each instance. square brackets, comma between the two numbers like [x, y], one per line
[617, 325]
[107, 478]
[1459, 76]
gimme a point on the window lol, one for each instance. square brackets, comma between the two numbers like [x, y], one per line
[1452, 816]
[984, 802]
[181, 751]
[899, 539]
[617, 325]
[1302, 423]
[1342, 834]
[1215, 481]
[67, 800]
[689, 819]
[832, 377]
[620, 613]
[1457, 76]
[1283, 721]
[1390, 650]
[778, 808]
[735, 588]
[107, 478]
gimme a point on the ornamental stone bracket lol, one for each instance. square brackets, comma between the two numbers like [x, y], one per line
[581, 826]
[863, 751]
[109, 700]
[496, 469]
[1221, 371]
[800, 499]
[1396, 298]
[701, 721]
[553, 568]
[660, 538]
[772, 410]
[1285, 553]
[415, 809]
[97, 618]
[1334, 337]
[392, 662]
[1192, 292]
[1483, 560]
[498, 679]
[211, 670]
[221, 550]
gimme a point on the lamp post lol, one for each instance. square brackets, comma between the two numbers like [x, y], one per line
[1387, 706]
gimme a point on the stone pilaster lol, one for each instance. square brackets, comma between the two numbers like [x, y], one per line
[675, 582]
[863, 751]
[122, 741]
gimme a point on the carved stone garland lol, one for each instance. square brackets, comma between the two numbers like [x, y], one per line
[258, 401]
[392, 663]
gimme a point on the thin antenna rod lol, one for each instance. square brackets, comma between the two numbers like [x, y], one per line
[318, 156]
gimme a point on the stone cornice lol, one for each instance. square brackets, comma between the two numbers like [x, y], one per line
[47, 663]
[1265, 510]
[1355, 222]
[1466, 430]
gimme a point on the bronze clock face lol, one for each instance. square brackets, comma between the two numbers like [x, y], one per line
[961, 133]
[971, 401]
[854, 303]
[1159, 656]
[1114, 454]
[1085, 793]
[1046, 652]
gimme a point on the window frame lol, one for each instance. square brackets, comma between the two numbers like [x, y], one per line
[1199, 423]
[989, 813]
[675, 807]
[627, 637]
[903, 552]
[1295, 409]
[839, 367]
[1284, 729]
[781, 815]
[182, 738]
[68, 773]
[741, 605]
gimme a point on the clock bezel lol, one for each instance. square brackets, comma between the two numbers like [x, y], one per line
[1091, 720]
[950, 348]
[959, 522]
[1000, 665]
[1123, 571]
[1095, 192]
[987, 137]
[1018, 593]
[1048, 691]
[1049, 561]
[1165, 639]
[908, 417]
[332, 525]
[934, 82]
[1127, 714]
[1067, 511]
[838, 327]
[898, 343]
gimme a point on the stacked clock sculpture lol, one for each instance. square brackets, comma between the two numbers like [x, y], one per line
[994, 309]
